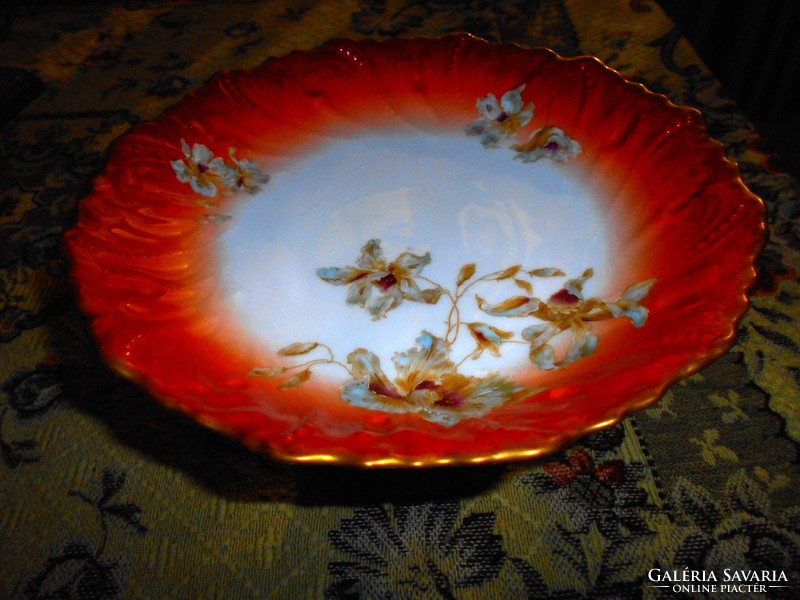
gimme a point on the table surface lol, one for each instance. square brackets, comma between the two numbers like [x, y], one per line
[104, 493]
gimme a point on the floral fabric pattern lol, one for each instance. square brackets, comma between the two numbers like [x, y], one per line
[426, 549]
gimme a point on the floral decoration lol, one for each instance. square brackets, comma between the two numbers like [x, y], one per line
[207, 173]
[243, 174]
[393, 282]
[501, 120]
[672, 72]
[198, 169]
[428, 382]
[83, 569]
[568, 311]
[547, 142]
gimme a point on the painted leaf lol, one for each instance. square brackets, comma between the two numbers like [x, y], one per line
[509, 272]
[432, 296]
[296, 380]
[218, 218]
[516, 306]
[268, 371]
[207, 203]
[466, 273]
[525, 285]
[638, 291]
[547, 272]
[297, 349]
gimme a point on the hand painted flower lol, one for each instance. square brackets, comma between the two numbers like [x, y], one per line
[500, 120]
[628, 304]
[488, 338]
[426, 384]
[568, 310]
[548, 142]
[583, 342]
[393, 282]
[199, 168]
[244, 175]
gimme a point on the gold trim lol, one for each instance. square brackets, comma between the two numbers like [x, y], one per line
[521, 453]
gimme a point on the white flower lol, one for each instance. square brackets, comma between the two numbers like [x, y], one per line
[500, 120]
[244, 175]
[393, 282]
[199, 168]
[427, 384]
[628, 304]
[203, 171]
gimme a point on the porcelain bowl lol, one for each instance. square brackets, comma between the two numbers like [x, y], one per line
[417, 252]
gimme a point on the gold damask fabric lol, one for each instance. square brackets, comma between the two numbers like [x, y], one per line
[106, 494]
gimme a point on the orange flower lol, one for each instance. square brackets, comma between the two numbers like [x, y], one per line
[548, 142]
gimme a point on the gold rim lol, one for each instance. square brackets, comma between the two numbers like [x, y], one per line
[525, 452]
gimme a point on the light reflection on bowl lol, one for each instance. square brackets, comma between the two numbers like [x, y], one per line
[189, 291]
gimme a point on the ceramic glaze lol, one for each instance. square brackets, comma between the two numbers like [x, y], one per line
[309, 255]
[418, 193]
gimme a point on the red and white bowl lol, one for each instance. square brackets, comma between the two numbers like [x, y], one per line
[416, 253]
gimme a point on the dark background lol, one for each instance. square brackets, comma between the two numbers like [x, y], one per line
[753, 47]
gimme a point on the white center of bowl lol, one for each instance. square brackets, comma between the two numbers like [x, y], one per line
[418, 193]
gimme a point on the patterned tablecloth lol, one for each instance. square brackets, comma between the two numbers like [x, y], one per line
[104, 493]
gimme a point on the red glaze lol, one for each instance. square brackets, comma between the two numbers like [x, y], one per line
[145, 267]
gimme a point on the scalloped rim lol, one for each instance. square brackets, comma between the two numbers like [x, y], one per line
[556, 443]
